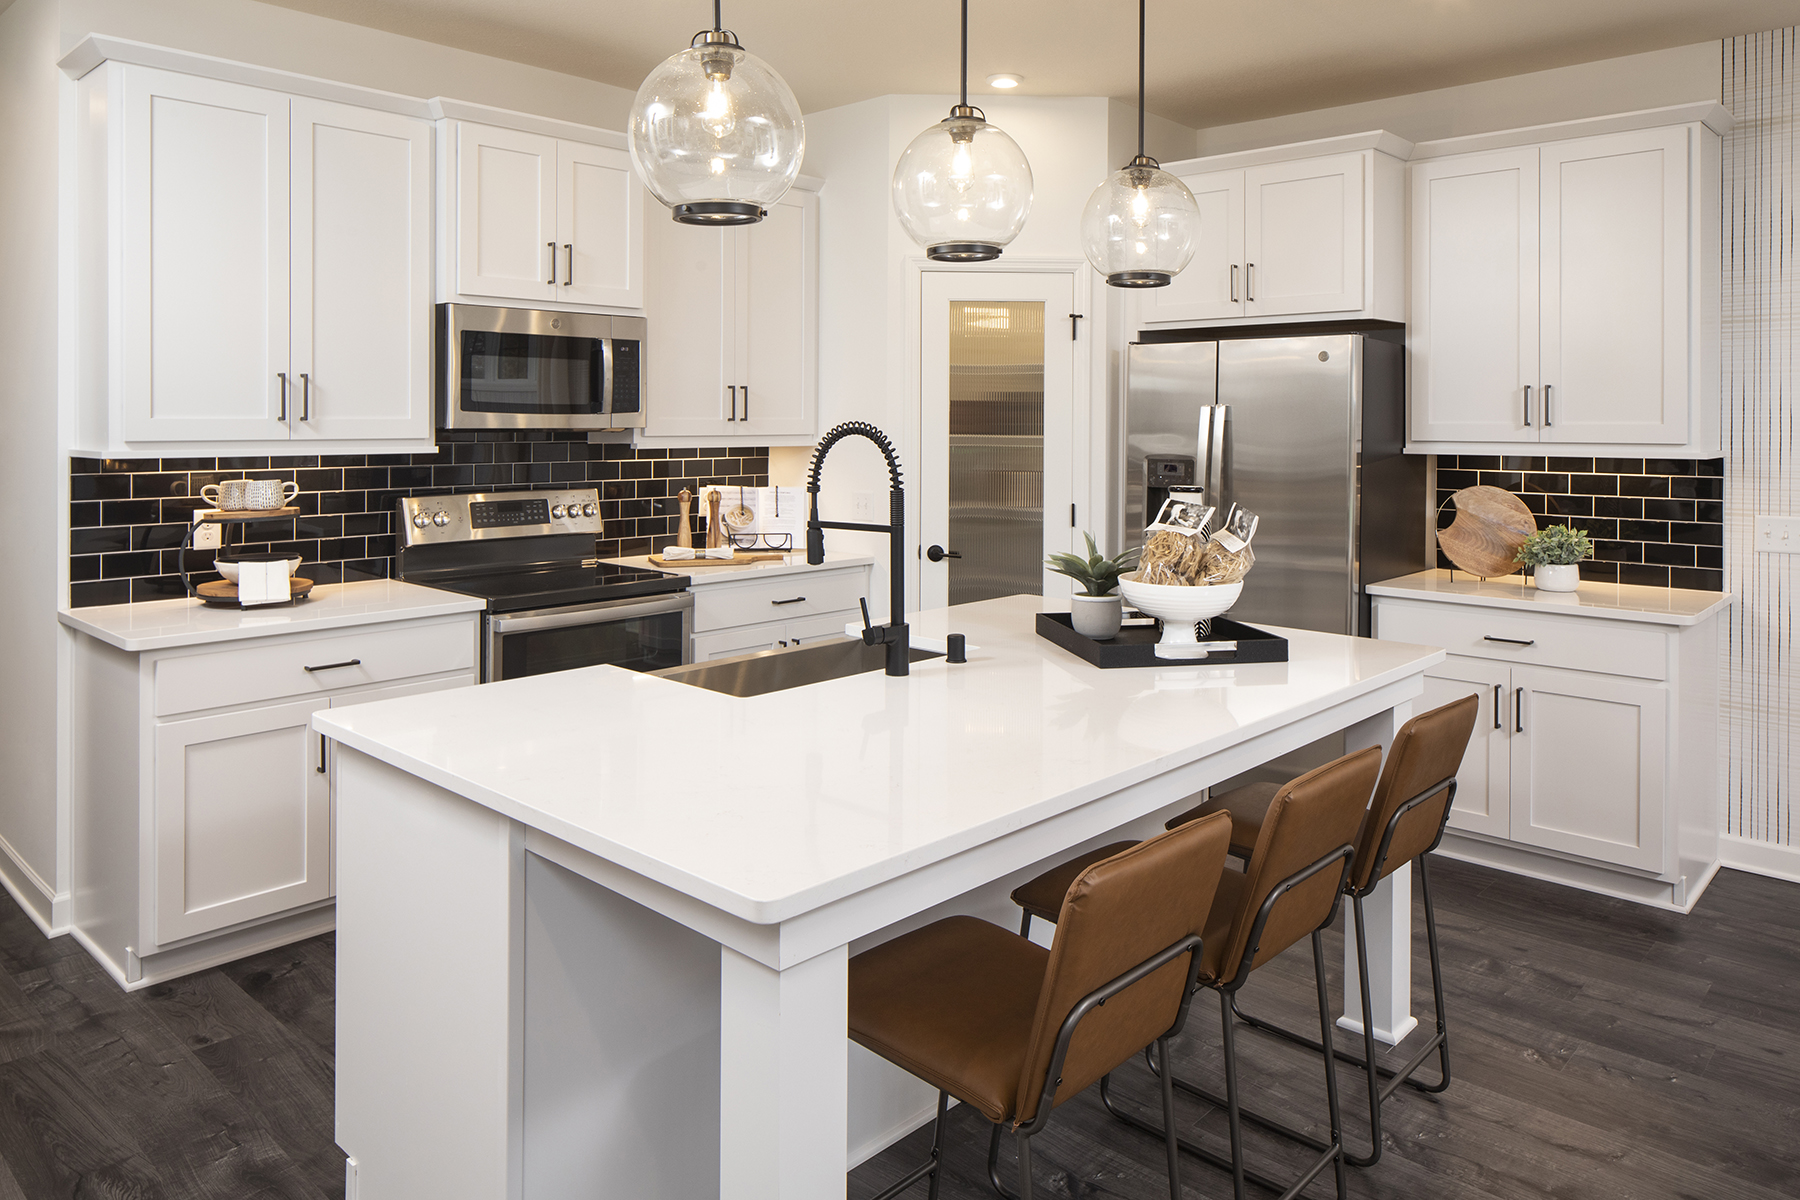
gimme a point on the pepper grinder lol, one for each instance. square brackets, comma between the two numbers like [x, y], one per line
[683, 532]
[714, 531]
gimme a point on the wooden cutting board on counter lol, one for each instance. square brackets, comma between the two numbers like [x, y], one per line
[737, 560]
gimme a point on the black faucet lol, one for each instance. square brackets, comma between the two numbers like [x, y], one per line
[894, 634]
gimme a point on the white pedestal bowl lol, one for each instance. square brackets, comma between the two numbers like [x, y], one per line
[1179, 608]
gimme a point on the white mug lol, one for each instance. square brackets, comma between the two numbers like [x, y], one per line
[263, 494]
[227, 495]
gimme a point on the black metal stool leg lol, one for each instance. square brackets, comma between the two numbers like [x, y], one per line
[1437, 985]
[1170, 1142]
[1372, 1074]
[1024, 1166]
[1330, 1060]
[994, 1166]
[1025, 923]
[1231, 1098]
[930, 1167]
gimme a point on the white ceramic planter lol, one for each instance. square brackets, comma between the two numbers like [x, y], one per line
[1557, 577]
[1096, 616]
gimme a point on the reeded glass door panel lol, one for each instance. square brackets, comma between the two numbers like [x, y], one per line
[996, 467]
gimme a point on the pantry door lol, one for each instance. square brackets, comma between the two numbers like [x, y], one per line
[996, 475]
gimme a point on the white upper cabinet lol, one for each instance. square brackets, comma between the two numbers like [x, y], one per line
[734, 326]
[506, 213]
[1303, 237]
[205, 284]
[1566, 292]
[361, 354]
[545, 220]
[255, 270]
[1291, 232]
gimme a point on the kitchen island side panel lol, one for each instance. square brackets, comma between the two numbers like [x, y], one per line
[430, 947]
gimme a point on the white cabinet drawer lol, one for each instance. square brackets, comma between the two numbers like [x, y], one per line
[748, 639]
[1578, 643]
[265, 671]
[783, 598]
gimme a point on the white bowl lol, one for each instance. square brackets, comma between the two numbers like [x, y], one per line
[1179, 608]
[230, 569]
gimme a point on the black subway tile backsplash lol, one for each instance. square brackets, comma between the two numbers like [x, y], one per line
[128, 516]
[1654, 521]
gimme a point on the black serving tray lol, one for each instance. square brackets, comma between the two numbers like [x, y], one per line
[1135, 645]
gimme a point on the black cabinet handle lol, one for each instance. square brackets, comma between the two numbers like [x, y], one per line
[348, 662]
[282, 375]
[1497, 703]
[1488, 637]
[795, 600]
[552, 279]
[569, 271]
[1519, 710]
[733, 415]
[746, 415]
[321, 754]
[1528, 406]
[1547, 388]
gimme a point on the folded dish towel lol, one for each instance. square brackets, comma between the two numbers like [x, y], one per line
[678, 553]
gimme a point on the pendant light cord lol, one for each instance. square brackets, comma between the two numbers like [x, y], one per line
[1140, 76]
[965, 53]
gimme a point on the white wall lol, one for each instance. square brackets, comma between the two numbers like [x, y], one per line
[33, 481]
[1676, 76]
[866, 264]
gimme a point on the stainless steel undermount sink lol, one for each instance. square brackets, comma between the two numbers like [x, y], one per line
[783, 668]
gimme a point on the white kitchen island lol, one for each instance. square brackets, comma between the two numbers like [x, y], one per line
[593, 927]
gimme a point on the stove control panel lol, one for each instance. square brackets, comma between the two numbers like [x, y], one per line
[479, 516]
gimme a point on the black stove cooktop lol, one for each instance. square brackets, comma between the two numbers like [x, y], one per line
[520, 588]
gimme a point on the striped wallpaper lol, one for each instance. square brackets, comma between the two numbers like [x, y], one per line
[1761, 667]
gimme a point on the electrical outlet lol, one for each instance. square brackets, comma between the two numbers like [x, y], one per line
[207, 536]
[866, 506]
[1778, 535]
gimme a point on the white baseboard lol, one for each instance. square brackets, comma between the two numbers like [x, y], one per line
[1760, 858]
[48, 911]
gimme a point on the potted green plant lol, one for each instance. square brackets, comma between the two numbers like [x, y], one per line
[1097, 610]
[1552, 554]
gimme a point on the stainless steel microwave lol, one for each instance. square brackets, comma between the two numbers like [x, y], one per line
[519, 368]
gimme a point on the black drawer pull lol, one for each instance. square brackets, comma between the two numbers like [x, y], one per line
[795, 600]
[348, 662]
[1497, 704]
[1518, 710]
[1488, 637]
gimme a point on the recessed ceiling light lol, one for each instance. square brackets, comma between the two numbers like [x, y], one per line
[1004, 80]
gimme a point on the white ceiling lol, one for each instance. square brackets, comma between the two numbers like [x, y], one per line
[1211, 62]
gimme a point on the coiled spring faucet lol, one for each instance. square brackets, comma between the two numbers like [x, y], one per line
[894, 635]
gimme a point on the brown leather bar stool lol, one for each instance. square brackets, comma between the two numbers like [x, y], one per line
[991, 1018]
[1404, 824]
[1289, 890]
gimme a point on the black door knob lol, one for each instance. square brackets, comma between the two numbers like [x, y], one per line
[939, 554]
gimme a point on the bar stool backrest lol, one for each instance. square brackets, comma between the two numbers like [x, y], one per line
[1428, 750]
[1308, 819]
[1121, 912]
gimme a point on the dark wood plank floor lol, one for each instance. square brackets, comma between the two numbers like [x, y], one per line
[1601, 1050]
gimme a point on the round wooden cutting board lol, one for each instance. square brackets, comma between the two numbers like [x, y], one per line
[1490, 526]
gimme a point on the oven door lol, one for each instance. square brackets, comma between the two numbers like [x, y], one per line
[641, 634]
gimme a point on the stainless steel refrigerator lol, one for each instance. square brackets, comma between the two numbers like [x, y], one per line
[1306, 431]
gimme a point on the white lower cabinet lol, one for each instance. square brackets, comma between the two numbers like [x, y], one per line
[202, 807]
[1600, 776]
[739, 615]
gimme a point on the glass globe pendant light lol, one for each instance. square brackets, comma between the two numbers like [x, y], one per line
[1140, 226]
[962, 189]
[716, 134]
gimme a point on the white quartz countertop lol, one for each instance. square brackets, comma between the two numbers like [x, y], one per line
[887, 775]
[1612, 601]
[700, 576]
[161, 624]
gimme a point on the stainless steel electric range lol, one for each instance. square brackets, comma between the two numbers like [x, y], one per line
[551, 605]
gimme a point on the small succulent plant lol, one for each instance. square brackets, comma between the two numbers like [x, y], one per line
[1097, 574]
[1555, 545]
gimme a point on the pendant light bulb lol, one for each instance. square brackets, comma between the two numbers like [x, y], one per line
[962, 188]
[716, 134]
[1141, 226]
